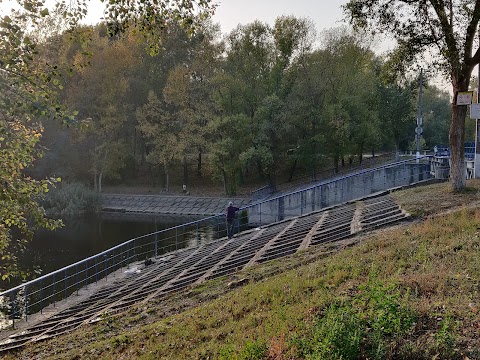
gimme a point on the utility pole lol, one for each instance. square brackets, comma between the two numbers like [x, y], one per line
[476, 159]
[419, 129]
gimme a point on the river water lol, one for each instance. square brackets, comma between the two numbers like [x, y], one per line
[83, 237]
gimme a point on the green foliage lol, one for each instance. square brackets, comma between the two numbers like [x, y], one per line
[436, 117]
[231, 134]
[421, 28]
[263, 105]
[397, 112]
[120, 341]
[337, 335]
[253, 350]
[147, 17]
[20, 213]
[35, 64]
[227, 352]
[445, 338]
[364, 325]
[71, 199]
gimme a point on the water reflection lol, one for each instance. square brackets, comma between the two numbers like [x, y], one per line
[82, 237]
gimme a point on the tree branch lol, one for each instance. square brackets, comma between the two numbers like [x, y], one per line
[447, 29]
[471, 31]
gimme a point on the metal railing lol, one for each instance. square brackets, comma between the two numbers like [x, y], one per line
[33, 296]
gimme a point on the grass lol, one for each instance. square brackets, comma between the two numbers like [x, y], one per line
[410, 291]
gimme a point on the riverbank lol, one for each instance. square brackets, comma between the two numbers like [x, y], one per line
[403, 292]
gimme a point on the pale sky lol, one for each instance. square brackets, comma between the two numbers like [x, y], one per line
[325, 14]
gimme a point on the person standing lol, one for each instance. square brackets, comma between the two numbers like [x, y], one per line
[231, 210]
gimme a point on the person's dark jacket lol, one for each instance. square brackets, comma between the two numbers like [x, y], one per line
[231, 210]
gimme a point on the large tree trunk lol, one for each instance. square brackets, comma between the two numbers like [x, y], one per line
[457, 144]
[456, 135]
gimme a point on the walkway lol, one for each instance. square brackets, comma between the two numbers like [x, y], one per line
[170, 205]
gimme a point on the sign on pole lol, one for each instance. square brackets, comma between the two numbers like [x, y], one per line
[475, 111]
[464, 97]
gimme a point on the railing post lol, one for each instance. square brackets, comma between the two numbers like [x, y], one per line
[260, 212]
[76, 278]
[156, 245]
[105, 258]
[113, 263]
[96, 271]
[197, 236]
[134, 249]
[238, 223]
[302, 200]
[176, 238]
[26, 303]
[53, 289]
[65, 283]
[86, 274]
[12, 308]
[41, 297]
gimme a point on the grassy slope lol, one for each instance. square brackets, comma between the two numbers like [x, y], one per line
[410, 291]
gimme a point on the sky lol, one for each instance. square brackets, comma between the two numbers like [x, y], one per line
[325, 14]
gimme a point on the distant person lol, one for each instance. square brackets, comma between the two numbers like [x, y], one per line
[231, 210]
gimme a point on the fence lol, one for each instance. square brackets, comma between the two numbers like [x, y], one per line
[35, 295]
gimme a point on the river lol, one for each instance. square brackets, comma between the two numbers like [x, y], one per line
[82, 237]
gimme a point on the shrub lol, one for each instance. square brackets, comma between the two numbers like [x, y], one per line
[71, 199]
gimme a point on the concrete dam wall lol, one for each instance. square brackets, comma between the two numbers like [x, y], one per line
[337, 191]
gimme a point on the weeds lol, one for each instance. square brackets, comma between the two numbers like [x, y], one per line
[445, 337]
[319, 307]
[363, 325]
[253, 350]
[119, 341]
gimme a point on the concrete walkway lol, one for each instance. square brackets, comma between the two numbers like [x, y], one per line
[171, 205]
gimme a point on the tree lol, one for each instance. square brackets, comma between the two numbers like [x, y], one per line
[28, 91]
[436, 116]
[189, 93]
[98, 91]
[446, 28]
[20, 213]
[396, 112]
[350, 95]
[231, 133]
[29, 87]
[162, 130]
[270, 141]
